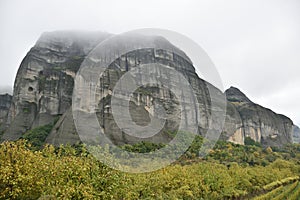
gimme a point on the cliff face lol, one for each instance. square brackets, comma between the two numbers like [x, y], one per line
[143, 99]
[259, 123]
[296, 135]
[5, 102]
[45, 80]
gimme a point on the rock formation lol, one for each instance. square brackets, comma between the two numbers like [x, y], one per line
[259, 123]
[296, 134]
[45, 80]
[5, 102]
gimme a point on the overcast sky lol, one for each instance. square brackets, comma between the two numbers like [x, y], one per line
[255, 44]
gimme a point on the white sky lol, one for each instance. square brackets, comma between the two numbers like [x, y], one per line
[254, 44]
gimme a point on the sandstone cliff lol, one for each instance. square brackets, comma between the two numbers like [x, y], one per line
[45, 80]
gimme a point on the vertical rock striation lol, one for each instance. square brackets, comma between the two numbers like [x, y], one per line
[5, 102]
[296, 134]
[259, 123]
[45, 80]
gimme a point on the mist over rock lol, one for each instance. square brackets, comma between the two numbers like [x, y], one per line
[45, 80]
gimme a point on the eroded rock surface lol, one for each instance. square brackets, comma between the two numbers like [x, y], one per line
[44, 82]
[261, 124]
[44, 86]
[296, 134]
[5, 102]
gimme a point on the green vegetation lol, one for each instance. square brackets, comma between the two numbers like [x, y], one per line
[291, 192]
[250, 141]
[26, 110]
[142, 147]
[38, 135]
[230, 171]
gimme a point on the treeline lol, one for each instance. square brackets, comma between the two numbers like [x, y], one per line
[229, 172]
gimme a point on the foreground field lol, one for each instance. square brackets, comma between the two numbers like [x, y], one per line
[72, 173]
[290, 192]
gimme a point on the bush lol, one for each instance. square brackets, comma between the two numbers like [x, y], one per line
[250, 141]
[38, 135]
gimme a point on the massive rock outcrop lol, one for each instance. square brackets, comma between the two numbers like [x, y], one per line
[142, 101]
[45, 80]
[259, 123]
